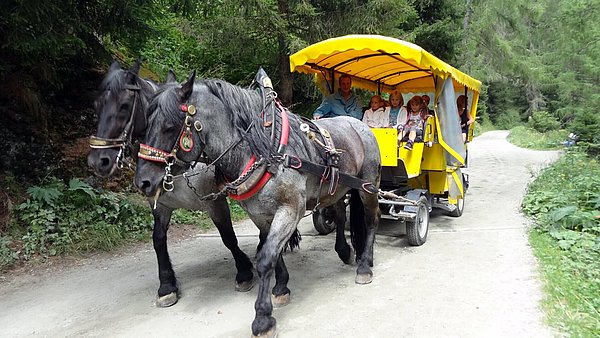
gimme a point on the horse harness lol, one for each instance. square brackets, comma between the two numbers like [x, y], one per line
[126, 155]
[257, 172]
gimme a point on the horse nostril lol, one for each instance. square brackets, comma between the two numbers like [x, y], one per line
[104, 162]
[145, 185]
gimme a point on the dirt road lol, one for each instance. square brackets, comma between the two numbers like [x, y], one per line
[475, 277]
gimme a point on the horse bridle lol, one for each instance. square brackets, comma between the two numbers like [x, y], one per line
[124, 139]
[184, 142]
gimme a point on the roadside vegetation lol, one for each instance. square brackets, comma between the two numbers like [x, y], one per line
[564, 202]
[58, 217]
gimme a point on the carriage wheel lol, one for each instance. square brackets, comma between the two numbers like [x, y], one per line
[323, 224]
[460, 203]
[417, 229]
[460, 206]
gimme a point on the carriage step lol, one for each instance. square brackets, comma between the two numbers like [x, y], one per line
[400, 215]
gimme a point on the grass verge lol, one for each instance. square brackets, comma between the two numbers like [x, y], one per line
[571, 284]
[526, 137]
[564, 201]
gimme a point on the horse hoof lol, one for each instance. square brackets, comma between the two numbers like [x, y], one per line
[281, 300]
[167, 300]
[244, 286]
[364, 278]
[272, 333]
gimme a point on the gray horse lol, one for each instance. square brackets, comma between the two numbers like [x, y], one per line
[278, 181]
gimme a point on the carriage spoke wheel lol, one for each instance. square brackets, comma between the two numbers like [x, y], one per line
[417, 228]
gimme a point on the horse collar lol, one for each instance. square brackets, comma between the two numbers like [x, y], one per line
[257, 173]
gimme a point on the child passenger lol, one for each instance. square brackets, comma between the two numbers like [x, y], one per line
[377, 116]
[398, 113]
[417, 113]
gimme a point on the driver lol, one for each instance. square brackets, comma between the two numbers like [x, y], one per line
[341, 103]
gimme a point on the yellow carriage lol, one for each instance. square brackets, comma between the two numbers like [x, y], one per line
[413, 181]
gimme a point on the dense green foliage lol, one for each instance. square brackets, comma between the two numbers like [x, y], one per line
[566, 238]
[59, 217]
[538, 56]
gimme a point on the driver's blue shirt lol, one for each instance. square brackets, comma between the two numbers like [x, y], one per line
[335, 105]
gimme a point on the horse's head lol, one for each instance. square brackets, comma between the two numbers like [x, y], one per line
[173, 137]
[190, 120]
[121, 116]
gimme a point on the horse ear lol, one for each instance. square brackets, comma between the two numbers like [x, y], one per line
[171, 76]
[187, 87]
[114, 66]
[135, 69]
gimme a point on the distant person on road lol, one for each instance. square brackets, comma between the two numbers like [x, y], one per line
[341, 103]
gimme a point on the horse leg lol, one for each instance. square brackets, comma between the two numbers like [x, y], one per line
[280, 295]
[220, 214]
[168, 291]
[342, 248]
[262, 237]
[368, 219]
[269, 258]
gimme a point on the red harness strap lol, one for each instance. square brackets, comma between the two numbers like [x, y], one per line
[285, 133]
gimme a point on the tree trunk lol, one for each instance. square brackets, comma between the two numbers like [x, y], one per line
[286, 82]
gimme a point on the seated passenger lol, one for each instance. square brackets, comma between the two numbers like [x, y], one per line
[398, 113]
[465, 117]
[377, 116]
[415, 122]
[426, 100]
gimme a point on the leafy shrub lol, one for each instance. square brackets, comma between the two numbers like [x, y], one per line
[59, 218]
[543, 121]
[565, 199]
[508, 120]
[7, 255]
[586, 124]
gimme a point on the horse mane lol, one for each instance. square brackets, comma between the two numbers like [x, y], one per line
[115, 82]
[244, 108]
[165, 99]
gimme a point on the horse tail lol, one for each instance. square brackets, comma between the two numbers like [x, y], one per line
[358, 230]
[293, 242]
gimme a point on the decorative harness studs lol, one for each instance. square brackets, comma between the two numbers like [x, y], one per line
[185, 143]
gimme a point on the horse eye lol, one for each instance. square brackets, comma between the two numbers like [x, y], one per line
[125, 106]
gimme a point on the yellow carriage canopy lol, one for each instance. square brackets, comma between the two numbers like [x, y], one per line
[383, 64]
[378, 63]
